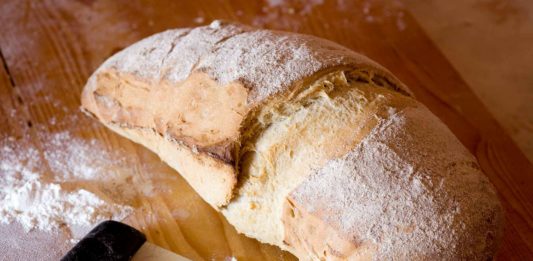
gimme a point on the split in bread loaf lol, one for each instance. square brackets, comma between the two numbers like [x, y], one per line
[300, 143]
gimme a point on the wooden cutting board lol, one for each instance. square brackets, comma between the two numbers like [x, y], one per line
[50, 47]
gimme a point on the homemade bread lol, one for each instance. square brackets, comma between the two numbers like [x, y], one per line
[300, 143]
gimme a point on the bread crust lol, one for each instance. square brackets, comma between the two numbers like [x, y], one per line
[276, 130]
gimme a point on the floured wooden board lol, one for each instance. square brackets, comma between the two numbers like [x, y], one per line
[49, 48]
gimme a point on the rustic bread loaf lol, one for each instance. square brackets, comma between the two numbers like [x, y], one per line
[300, 143]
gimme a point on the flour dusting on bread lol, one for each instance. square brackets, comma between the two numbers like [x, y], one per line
[403, 189]
[265, 61]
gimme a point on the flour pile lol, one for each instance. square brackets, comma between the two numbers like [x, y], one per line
[38, 199]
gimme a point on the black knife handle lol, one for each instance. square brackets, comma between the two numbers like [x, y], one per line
[109, 241]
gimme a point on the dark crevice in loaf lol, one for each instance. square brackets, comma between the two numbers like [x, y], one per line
[379, 80]
[220, 152]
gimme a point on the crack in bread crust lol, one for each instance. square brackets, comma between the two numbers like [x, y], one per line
[257, 118]
[287, 138]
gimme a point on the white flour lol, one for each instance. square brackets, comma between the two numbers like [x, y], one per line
[33, 197]
[46, 206]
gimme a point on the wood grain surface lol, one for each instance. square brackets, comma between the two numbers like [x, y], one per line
[489, 43]
[50, 47]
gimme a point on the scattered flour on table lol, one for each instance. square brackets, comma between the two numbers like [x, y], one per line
[36, 199]
[292, 14]
[285, 14]
[35, 204]
[199, 20]
[378, 12]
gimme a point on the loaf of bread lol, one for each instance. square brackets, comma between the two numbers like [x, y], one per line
[300, 143]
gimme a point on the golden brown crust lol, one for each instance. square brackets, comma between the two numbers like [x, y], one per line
[201, 129]
[196, 112]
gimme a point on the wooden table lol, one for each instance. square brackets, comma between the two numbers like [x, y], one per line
[50, 47]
